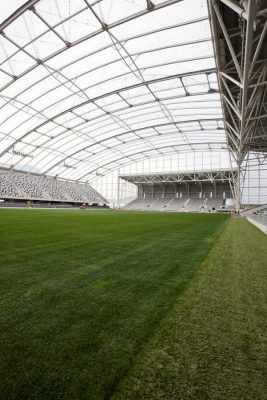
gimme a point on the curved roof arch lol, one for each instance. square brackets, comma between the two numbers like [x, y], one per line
[90, 85]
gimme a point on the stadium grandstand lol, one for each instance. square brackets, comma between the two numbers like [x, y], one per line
[203, 191]
[133, 199]
[18, 186]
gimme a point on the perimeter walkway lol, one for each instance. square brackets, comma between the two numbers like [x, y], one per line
[260, 221]
[212, 345]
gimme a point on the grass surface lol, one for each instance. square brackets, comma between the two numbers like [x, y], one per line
[82, 293]
[100, 305]
[213, 344]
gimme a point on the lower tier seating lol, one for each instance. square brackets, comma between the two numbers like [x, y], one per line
[175, 204]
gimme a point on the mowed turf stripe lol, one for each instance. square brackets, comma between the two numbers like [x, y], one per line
[82, 294]
[213, 345]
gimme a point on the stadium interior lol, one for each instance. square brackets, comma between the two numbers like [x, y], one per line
[133, 199]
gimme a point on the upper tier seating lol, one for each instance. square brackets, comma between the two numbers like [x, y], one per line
[37, 187]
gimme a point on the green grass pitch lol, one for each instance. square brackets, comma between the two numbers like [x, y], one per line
[89, 300]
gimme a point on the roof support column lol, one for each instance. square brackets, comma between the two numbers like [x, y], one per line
[239, 42]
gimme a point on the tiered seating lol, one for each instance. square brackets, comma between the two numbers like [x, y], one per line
[140, 204]
[194, 205]
[159, 204]
[167, 204]
[214, 204]
[37, 187]
[130, 205]
[7, 188]
[175, 205]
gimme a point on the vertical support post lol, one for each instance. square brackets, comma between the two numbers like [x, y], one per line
[237, 187]
[259, 183]
[118, 190]
[248, 182]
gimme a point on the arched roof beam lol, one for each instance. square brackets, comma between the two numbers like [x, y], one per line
[20, 11]
[89, 87]
[129, 111]
[110, 26]
[139, 130]
[101, 97]
[69, 45]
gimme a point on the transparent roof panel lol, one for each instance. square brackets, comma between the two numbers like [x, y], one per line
[26, 28]
[89, 86]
